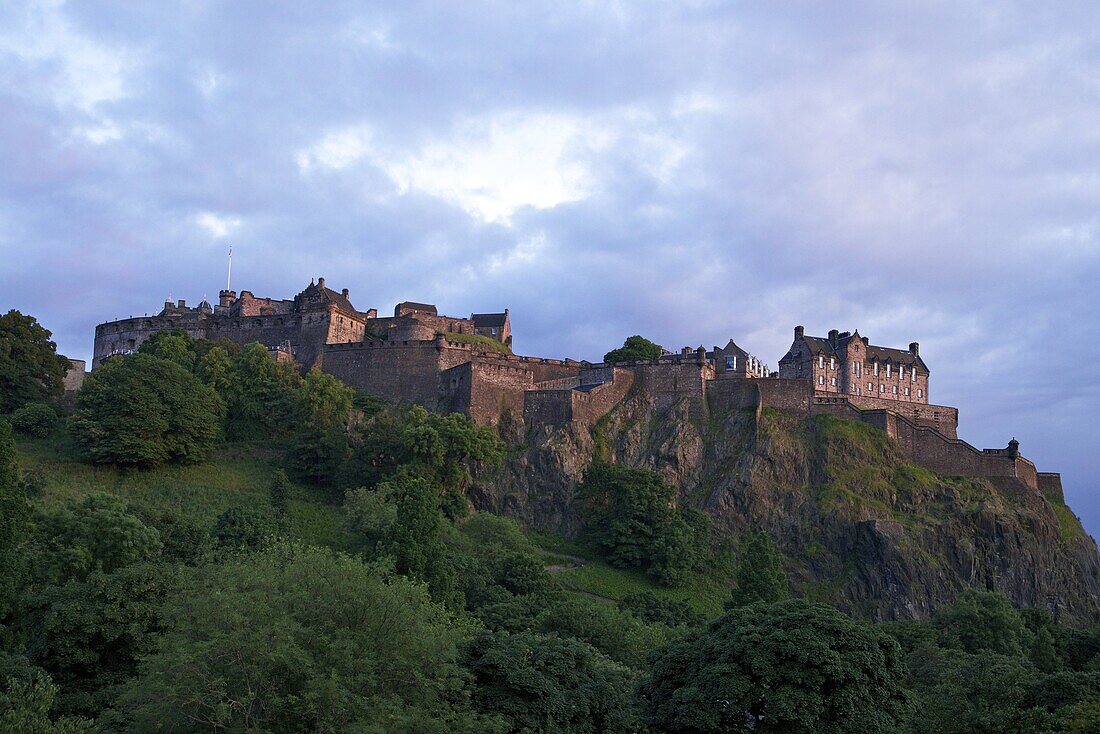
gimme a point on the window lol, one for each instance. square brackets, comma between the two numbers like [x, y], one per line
[894, 389]
[876, 369]
[857, 391]
[888, 365]
[907, 391]
[493, 332]
[821, 363]
[901, 372]
[920, 393]
[832, 363]
[870, 387]
[912, 375]
[834, 382]
[731, 363]
[821, 380]
[882, 387]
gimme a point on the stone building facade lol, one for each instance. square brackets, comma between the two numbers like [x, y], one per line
[460, 364]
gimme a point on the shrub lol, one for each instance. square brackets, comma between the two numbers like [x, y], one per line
[243, 527]
[145, 411]
[35, 419]
[30, 368]
[634, 349]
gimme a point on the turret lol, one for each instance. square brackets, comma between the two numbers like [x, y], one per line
[226, 298]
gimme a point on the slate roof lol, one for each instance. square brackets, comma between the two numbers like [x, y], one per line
[489, 319]
[821, 345]
[338, 299]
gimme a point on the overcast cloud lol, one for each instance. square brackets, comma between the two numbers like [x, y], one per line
[688, 171]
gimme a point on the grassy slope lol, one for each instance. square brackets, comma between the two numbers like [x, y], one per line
[236, 475]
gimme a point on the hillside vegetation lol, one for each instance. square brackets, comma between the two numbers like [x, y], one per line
[319, 562]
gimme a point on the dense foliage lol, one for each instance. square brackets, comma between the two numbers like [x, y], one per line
[30, 368]
[342, 583]
[789, 668]
[634, 349]
[145, 411]
[35, 419]
[628, 513]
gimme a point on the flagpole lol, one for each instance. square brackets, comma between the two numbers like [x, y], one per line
[229, 276]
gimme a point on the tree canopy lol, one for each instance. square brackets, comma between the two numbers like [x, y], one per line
[144, 411]
[635, 349]
[31, 370]
[790, 667]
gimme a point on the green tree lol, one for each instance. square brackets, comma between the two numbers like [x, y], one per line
[88, 634]
[35, 419]
[760, 574]
[144, 411]
[301, 639]
[13, 517]
[414, 540]
[174, 346]
[97, 534]
[789, 667]
[634, 349]
[244, 527]
[31, 370]
[213, 369]
[543, 683]
[629, 514]
[982, 620]
[26, 706]
[278, 491]
[320, 443]
[260, 395]
[652, 609]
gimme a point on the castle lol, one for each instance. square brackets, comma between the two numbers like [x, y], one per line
[466, 365]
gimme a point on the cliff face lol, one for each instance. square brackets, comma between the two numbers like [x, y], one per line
[858, 527]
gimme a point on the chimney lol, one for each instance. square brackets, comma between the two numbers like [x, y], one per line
[685, 350]
[866, 341]
[344, 293]
[798, 332]
[181, 303]
[914, 349]
[320, 282]
[833, 334]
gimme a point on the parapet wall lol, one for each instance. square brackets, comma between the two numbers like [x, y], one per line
[399, 371]
[594, 393]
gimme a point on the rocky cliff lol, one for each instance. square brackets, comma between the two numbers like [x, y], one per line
[858, 526]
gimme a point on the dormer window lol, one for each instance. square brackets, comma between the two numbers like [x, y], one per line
[821, 363]
[876, 369]
[832, 363]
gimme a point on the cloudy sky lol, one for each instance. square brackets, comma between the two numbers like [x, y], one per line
[689, 171]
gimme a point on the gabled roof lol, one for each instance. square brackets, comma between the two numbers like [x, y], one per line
[338, 299]
[489, 319]
[822, 346]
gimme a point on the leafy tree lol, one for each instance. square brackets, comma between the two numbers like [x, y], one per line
[88, 634]
[26, 704]
[320, 443]
[982, 620]
[98, 534]
[144, 411]
[35, 419]
[414, 539]
[619, 635]
[788, 667]
[278, 490]
[301, 639]
[174, 346]
[244, 527]
[213, 369]
[760, 575]
[652, 609]
[30, 368]
[634, 349]
[260, 395]
[13, 516]
[441, 448]
[543, 683]
[629, 514]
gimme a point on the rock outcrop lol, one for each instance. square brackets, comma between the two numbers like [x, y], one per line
[858, 527]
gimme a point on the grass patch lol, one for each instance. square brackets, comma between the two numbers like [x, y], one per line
[484, 342]
[236, 475]
[1069, 525]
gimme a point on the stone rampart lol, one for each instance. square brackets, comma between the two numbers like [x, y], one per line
[1050, 484]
